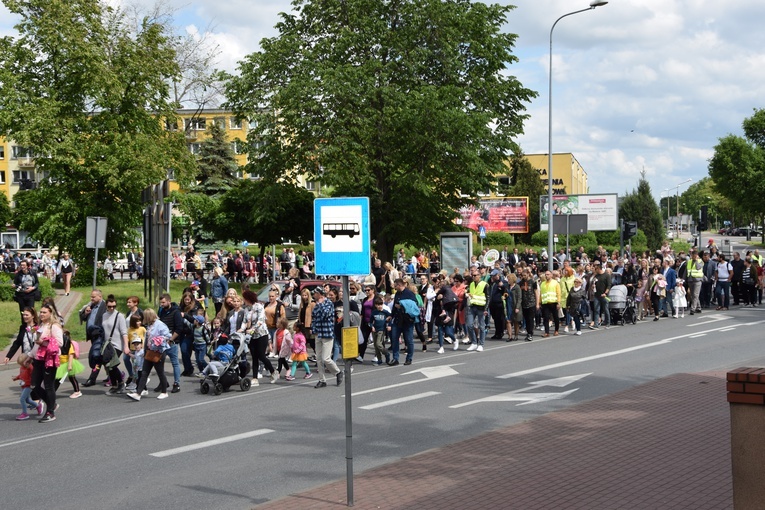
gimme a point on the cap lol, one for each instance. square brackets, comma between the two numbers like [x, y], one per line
[496, 272]
[199, 318]
[710, 241]
[318, 290]
[195, 282]
[136, 340]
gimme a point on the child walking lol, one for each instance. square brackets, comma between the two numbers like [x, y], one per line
[299, 353]
[679, 300]
[284, 343]
[135, 331]
[380, 324]
[640, 299]
[69, 366]
[25, 380]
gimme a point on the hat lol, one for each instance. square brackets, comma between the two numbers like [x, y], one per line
[318, 290]
[199, 318]
[710, 241]
[195, 282]
[136, 340]
[496, 272]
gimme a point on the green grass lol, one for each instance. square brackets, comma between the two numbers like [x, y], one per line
[122, 289]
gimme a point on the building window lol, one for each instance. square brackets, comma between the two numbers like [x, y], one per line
[220, 122]
[234, 123]
[310, 185]
[22, 175]
[171, 125]
[195, 148]
[21, 152]
[237, 147]
[2, 176]
[2, 151]
[197, 124]
[240, 174]
[171, 174]
[253, 123]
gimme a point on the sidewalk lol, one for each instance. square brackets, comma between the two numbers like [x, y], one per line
[662, 445]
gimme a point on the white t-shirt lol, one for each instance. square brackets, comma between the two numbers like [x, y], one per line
[723, 270]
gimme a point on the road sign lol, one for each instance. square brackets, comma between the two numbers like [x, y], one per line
[341, 234]
[95, 232]
[481, 231]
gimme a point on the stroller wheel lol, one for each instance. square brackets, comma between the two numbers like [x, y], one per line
[245, 384]
[218, 389]
[204, 388]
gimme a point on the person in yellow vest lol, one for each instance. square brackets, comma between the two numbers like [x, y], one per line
[694, 276]
[549, 292]
[478, 300]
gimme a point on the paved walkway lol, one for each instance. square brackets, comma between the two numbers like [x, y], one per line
[662, 445]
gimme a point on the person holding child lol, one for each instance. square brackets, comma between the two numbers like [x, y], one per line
[299, 353]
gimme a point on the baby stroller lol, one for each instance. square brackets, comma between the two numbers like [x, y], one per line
[621, 306]
[235, 372]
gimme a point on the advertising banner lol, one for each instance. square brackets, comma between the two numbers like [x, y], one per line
[503, 214]
[602, 210]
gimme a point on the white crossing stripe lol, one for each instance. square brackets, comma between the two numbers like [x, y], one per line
[400, 400]
[699, 335]
[213, 442]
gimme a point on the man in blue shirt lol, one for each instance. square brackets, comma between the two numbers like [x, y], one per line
[402, 323]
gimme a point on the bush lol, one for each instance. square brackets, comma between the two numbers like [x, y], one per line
[498, 240]
[84, 277]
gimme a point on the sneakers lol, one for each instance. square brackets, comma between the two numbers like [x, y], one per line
[274, 377]
[565, 330]
[360, 360]
[176, 389]
[40, 408]
[340, 375]
[76, 394]
[440, 350]
[134, 396]
[116, 390]
[674, 316]
[47, 418]
[456, 346]
[108, 384]
[308, 375]
[448, 340]
[424, 348]
[407, 362]
[144, 393]
[393, 363]
[321, 384]
[472, 347]
[22, 417]
[260, 376]
[163, 396]
[480, 348]
[289, 378]
[578, 333]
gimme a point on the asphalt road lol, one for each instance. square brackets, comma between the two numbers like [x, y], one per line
[282, 438]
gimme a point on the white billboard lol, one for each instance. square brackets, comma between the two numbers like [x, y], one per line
[602, 210]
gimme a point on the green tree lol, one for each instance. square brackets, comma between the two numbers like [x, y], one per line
[84, 94]
[640, 206]
[265, 213]
[5, 210]
[704, 192]
[408, 102]
[526, 183]
[738, 168]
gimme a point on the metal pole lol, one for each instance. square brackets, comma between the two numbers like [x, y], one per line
[95, 258]
[348, 404]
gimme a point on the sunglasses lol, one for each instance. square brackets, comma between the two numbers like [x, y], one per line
[111, 307]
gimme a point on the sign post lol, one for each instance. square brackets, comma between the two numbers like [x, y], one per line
[482, 235]
[342, 240]
[95, 237]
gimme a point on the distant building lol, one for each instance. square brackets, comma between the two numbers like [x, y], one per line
[569, 177]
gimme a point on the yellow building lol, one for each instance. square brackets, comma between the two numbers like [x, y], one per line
[569, 178]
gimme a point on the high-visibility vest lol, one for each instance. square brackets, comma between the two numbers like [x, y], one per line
[758, 258]
[549, 292]
[693, 271]
[477, 293]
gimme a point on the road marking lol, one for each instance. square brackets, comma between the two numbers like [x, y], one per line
[697, 335]
[712, 318]
[430, 373]
[525, 398]
[727, 329]
[612, 353]
[212, 442]
[400, 400]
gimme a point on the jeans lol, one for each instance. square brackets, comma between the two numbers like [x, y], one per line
[26, 399]
[667, 305]
[408, 331]
[723, 288]
[445, 329]
[172, 353]
[474, 319]
[601, 305]
[324, 358]
[128, 361]
[200, 351]
[187, 343]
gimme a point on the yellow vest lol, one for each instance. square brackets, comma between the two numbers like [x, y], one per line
[758, 258]
[693, 272]
[477, 293]
[549, 291]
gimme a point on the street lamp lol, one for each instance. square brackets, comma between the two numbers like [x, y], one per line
[677, 205]
[550, 245]
[665, 191]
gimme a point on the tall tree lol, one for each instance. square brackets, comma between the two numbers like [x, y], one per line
[704, 192]
[738, 167]
[83, 92]
[640, 206]
[408, 102]
[525, 182]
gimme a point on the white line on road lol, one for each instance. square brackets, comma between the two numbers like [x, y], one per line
[727, 329]
[697, 335]
[212, 442]
[400, 400]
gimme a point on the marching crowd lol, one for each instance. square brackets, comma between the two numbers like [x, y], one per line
[516, 294]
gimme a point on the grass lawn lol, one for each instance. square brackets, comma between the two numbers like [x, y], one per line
[122, 289]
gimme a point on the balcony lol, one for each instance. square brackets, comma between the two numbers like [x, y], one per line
[26, 162]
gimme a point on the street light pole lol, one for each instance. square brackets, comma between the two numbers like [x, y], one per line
[550, 246]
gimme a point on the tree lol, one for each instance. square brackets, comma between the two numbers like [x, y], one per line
[217, 169]
[408, 102]
[85, 96]
[266, 213]
[5, 210]
[704, 192]
[738, 167]
[640, 206]
[526, 183]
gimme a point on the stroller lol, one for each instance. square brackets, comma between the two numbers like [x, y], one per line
[621, 306]
[235, 372]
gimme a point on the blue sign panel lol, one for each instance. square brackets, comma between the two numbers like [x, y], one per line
[341, 236]
[482, 232]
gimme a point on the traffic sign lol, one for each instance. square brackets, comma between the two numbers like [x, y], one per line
[481, 231]
[341, 235]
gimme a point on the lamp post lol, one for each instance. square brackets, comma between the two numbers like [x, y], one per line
[677, 205]
[550, 246]
[666, 190]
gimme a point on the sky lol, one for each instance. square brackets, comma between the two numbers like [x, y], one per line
[638, 85]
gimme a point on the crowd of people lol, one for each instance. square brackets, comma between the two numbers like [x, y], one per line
[205, 328]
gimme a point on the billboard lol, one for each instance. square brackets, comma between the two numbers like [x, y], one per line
[602, 210]
[502, 214]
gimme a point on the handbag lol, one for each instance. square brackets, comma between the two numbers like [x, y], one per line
[152, 356]
[107, 351]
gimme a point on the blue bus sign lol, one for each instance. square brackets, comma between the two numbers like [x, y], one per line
[482, 232]
[341, 236]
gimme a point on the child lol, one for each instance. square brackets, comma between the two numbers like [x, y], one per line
[201, 339]
[380, 323]
[284, 344]
[25, 378]
[136, 361]
[299, 354]
[69, 365]
[639, 295]
[135, 331]
[679, 300]
[221, 356]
